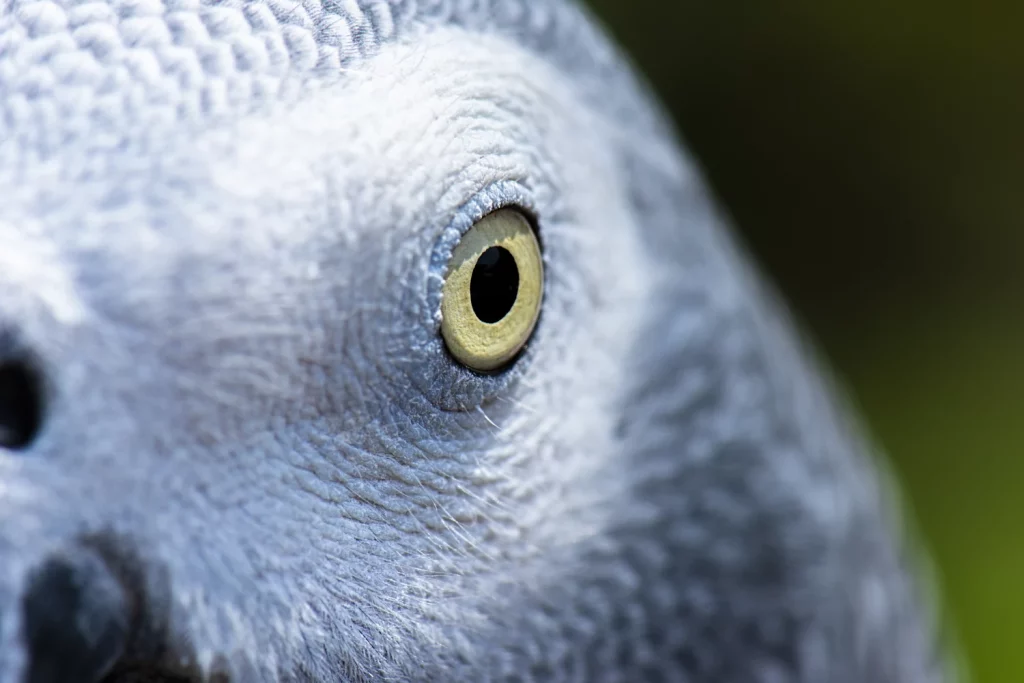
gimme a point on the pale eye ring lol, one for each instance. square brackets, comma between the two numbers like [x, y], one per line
[493, 291]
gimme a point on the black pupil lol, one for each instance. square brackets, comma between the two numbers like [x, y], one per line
[495, 285]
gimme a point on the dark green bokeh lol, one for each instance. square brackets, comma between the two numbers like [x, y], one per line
[871, 155]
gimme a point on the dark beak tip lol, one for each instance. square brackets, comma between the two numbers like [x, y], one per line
[76, 618]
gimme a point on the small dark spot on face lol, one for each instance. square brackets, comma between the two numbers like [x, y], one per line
[21, 404]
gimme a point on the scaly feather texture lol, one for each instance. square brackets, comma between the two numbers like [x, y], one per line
[223, 235]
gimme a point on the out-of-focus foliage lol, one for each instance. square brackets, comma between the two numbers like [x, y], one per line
[872, 153]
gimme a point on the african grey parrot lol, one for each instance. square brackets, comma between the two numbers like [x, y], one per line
[396, 340]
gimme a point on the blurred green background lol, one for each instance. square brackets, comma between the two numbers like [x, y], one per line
[872, 154]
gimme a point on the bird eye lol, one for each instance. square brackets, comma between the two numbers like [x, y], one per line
[493, 290]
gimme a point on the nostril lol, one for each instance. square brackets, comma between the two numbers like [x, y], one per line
[21, 403]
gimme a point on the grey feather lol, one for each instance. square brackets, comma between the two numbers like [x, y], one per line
[223, 234]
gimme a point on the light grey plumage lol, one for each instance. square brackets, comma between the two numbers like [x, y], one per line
[223, 235]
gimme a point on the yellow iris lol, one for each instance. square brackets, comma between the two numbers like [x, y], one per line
[493, 291]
